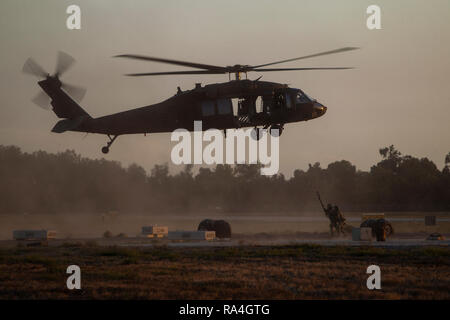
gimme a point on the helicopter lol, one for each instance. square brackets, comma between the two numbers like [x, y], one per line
[268, 105]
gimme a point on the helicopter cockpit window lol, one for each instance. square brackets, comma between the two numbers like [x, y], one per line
[302, 98]
[208, 108]
[224, 106]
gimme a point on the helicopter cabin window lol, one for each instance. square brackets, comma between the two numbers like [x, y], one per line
[224, 106]
[259, 104]
[208, 108]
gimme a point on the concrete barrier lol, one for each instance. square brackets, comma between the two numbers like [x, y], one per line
[192, 235]
[155, 231]
[356, 234]
[365, 234]
[34, 234]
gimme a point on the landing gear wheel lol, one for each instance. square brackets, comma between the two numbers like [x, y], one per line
[256, 134]
[105, 149]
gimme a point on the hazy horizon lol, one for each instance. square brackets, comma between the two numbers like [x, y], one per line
[398, 94]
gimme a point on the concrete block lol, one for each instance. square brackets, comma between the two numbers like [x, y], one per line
[356, 234]
[365, 234]
[155, 230]
[33, 234]
[192, 235]
[155, 236]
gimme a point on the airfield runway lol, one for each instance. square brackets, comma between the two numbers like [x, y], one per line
[247, 230]
[403, 243]
[139, 242]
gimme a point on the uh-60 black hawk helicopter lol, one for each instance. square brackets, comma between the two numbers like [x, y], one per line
[212, 104]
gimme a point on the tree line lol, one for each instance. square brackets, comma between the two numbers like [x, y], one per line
[65, 182]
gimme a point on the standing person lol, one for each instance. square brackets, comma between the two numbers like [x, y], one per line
[334, 219]
[340, 220]
[331, 214]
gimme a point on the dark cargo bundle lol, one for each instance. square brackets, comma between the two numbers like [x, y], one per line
[221, 227]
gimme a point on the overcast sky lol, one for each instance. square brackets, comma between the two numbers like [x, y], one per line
[399, 94]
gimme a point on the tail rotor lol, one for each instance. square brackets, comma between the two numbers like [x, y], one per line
[42, 100]
[33, 68]
[76, 92]
[63, 63]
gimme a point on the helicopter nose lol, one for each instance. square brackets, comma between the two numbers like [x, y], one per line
[319, 109]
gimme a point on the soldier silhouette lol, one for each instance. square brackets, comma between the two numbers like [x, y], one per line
[333, 213]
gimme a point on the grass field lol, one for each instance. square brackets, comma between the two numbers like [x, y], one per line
[244, 272]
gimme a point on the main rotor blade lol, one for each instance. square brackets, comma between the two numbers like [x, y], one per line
[176, 62]
[77, 93]
[309, 56]
[289, 69]
[174, 72]
[32, 67]
[63, 63]
[42, 100]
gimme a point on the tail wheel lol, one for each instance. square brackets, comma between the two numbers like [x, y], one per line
[105, 149]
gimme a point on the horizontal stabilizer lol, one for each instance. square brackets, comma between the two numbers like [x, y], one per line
[67, 124]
